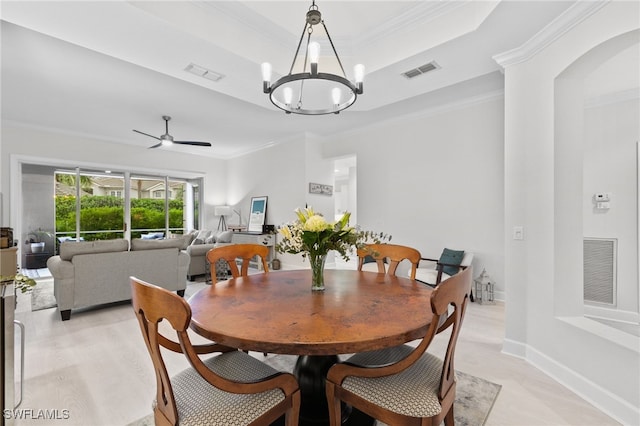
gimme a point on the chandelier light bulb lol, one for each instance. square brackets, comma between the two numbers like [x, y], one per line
[266, 71]
[358, 72]
[314, 52]
[336, 94]
[288, 95]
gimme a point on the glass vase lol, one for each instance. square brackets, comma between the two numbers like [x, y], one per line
[317, 271]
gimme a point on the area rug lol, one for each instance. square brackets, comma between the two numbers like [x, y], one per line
[474, 396]
[42, 296]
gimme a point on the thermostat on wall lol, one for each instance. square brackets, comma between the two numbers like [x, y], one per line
[602, 200]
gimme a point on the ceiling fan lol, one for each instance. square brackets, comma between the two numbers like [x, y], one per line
[167, 139]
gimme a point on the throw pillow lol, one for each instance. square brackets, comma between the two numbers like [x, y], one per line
[211, 239]
[197, 241]
[224, 237]
[451, 257]
[202, 234]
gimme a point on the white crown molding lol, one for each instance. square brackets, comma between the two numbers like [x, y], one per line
[575, 14]
[249, 20]
[418, 15]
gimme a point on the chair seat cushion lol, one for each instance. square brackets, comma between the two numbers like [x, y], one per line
[200, 403]
[429, 276]
[412, 392]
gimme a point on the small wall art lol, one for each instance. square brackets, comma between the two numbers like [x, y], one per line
[318, 188]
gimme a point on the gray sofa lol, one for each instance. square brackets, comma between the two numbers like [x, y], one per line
[202, 242]
[92, 273]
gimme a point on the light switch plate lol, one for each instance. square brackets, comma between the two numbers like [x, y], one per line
[518, 233]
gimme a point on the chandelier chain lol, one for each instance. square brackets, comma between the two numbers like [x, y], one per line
[334, 49]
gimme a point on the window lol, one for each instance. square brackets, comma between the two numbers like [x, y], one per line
[106, 206]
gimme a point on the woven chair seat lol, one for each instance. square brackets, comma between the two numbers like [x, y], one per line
[201, 404]
[412, 392]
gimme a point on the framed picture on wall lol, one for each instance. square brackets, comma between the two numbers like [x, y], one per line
[257, 214]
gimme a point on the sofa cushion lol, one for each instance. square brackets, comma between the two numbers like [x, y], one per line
[68, 249]
[140, 244]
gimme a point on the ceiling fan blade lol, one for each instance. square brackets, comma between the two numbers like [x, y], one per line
[193, 143]
[146, 134]
[156, 145]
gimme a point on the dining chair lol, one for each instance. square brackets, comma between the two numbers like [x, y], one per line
[392, 253]
[230, 253]
[433, 271]
[405, 385]
[231, 388]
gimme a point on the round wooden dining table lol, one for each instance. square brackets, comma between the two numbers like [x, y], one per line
[276, 312]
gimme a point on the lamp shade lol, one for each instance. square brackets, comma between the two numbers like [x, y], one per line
[223, 211]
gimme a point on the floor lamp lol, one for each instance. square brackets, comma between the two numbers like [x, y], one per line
[223, 211]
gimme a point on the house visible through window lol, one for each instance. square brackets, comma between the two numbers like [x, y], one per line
[116, 194]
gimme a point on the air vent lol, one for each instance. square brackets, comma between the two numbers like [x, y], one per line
[422, 69]
[600, 270]
[203, 72]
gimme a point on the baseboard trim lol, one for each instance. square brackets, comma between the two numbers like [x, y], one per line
[610, 404]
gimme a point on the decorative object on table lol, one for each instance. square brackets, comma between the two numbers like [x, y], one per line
[322, 92]
[37, 240]
[257, 214]
[311, 235]
[484, 288]
[222, 212]
[6, 237]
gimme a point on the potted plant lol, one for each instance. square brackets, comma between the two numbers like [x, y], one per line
[20, 281]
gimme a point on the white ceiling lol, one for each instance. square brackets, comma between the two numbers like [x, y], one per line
[102, 69]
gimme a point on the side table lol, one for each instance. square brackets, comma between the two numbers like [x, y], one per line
[36, 260]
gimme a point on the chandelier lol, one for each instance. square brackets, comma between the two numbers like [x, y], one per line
[309, 91]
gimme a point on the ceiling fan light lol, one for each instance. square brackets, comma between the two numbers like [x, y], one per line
[166, 140]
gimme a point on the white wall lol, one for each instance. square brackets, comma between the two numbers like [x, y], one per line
[434, 180]
[279, 172]
[57, 148]
[610, 143]
[543, 193]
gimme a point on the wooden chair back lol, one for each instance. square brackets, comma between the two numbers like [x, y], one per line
[393, 253]
[230, 253]
[452, 293]
[152, 305]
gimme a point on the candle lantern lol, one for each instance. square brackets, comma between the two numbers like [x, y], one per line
[484, 288]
